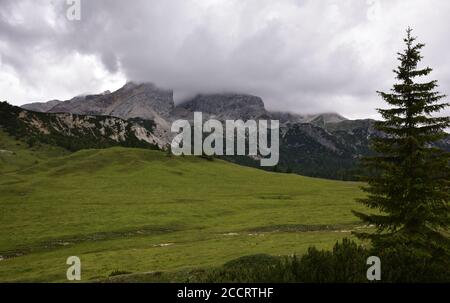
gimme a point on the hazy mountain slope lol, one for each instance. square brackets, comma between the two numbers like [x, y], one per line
[227, 106]
[41, 106]
[323, 120]
[311, 150]
[318, 119]
[144, 101]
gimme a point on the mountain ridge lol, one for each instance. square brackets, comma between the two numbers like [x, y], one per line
[75, 132]
[323, 145]
[158, 103]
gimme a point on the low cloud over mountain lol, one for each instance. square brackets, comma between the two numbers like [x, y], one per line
[301, 56]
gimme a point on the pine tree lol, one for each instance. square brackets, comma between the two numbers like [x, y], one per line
[409, 183]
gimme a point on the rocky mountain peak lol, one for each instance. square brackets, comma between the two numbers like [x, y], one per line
[144, 100]
[133, 100]
[41, 106]
[326, 118]
[226, 106]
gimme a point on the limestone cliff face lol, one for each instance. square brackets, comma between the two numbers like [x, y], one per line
[226, 106]
[74, 131]
[147, 101]
[144, 101]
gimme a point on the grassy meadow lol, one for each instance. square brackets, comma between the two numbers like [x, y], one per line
[141, 211]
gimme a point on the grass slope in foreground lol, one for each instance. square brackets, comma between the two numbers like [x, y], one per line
[138, 211]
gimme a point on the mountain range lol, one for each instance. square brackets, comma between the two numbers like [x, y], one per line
[149, 102]
[140, 114]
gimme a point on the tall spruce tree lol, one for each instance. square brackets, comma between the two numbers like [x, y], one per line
[409, 180]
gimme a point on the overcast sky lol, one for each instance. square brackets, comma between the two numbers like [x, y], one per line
[298, 55]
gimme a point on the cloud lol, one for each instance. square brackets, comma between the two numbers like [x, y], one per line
[304, 56]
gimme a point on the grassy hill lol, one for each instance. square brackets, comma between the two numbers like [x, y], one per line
[16, 155]
[138, 210]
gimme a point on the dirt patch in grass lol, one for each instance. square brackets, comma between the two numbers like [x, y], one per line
[301, 228]
[100, 236]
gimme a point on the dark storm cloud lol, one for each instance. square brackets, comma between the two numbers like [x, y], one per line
[303, 56]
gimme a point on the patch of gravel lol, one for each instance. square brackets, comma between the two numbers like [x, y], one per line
[163, 245]
[301, 228]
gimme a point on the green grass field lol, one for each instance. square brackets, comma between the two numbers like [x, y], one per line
[141, 211]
